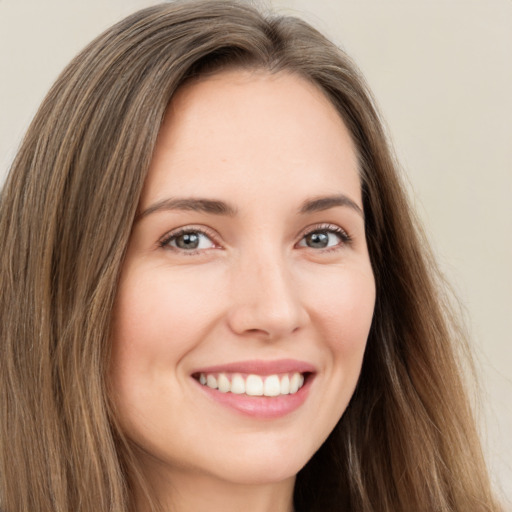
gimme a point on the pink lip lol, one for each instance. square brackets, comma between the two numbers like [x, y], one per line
[260, 407]
[260, 367]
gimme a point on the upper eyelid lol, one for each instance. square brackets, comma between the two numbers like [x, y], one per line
[323, 226]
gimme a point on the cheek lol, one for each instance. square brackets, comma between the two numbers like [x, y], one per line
[155, 325]
[342, 314]
[156, 321]
[345, 311]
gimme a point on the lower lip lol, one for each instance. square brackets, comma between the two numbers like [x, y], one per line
[261, 407]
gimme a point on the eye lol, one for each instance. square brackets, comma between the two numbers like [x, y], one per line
[188, 240]
[324, 238]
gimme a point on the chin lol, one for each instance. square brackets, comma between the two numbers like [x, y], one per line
[260, 473]
[264, 466]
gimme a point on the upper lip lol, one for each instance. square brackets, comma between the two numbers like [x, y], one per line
[260, 367]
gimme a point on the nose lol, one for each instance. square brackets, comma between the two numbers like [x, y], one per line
[265, 299]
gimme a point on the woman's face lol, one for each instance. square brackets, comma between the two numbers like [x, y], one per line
[247, 294]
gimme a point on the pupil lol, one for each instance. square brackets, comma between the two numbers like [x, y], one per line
[318, 240]
[188, 241]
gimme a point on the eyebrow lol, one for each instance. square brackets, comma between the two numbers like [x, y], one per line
[217, 207]
[191, 204]
[324, 203]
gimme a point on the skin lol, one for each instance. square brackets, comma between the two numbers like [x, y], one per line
[254, 289]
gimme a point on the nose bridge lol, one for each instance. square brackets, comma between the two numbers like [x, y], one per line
[265, 298]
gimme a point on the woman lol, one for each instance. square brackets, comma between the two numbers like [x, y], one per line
[213, 292]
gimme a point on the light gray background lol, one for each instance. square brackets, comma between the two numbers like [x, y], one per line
[442, 74]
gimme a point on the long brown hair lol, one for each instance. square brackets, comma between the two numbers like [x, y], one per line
[407, 441]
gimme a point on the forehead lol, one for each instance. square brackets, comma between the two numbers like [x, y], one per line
[247, 129]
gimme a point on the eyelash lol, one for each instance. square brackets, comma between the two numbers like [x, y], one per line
[346, 239]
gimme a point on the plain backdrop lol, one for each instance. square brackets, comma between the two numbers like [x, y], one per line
[441, 71]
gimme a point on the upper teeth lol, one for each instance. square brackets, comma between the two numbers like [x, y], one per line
[253, 385]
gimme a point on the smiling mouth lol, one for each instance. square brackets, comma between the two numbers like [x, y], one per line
[252, 384]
